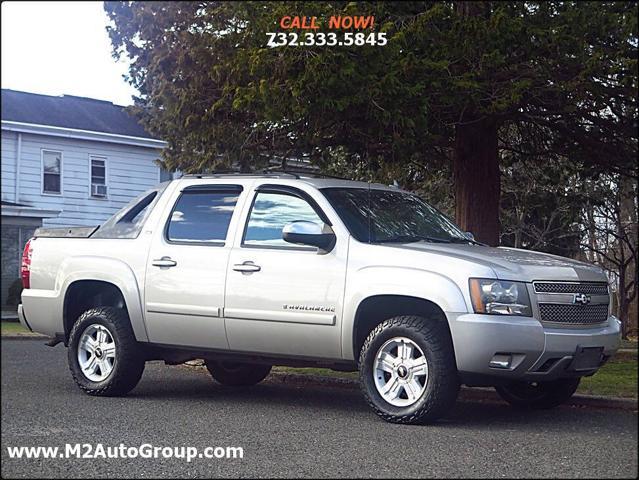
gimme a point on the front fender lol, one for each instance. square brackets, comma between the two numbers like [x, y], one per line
[116, 272]
[387, 280]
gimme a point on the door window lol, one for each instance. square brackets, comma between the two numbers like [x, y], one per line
[270, 212]
[201, 216]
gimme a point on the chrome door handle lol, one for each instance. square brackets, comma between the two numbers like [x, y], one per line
[246, 267]
[164, 262]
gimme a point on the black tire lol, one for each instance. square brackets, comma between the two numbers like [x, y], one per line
[538, 395]
[128, 364]
[237, 374]
[441, 384]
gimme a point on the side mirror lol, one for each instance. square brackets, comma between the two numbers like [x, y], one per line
[302, 232]
[470, 236]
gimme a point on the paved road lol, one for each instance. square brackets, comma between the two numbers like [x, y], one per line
[288, 430]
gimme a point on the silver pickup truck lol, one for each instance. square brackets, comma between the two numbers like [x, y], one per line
[247, 272]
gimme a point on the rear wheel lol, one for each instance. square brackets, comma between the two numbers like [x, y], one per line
[538, 395]
[237, 374]
[407, 370]
[104, 357]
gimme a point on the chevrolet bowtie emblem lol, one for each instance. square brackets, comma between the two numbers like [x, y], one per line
[581, 298]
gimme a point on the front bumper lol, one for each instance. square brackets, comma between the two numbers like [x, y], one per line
[537, 352]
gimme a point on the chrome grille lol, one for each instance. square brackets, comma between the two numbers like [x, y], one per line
[573, 314]
[587, 288]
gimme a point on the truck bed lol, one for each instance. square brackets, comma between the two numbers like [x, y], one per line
[65, 232]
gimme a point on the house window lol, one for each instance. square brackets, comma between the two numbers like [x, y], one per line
[98, 177]
[51, 172]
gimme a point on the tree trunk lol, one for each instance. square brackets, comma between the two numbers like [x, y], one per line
[477, 179]
[622, 302]
[476, 162]
[627, 232]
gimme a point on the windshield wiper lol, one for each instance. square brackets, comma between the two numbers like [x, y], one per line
[466, 240]
[412, 239]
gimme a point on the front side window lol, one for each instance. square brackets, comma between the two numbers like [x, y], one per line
[98, 177]
[51, 172]
[202, 216]
[383, 216]
[270, 213]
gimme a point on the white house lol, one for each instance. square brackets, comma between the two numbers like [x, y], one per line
[67, 161]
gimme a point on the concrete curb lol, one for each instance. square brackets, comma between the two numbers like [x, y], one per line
[468, 394]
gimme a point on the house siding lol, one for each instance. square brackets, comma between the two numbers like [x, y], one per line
[8, 172]
[130, 171]
[15, 233]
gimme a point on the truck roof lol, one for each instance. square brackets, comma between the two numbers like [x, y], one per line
[317, 180]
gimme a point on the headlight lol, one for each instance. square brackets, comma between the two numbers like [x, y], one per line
[500, 297]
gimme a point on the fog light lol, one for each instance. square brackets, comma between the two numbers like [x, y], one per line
[501, 360]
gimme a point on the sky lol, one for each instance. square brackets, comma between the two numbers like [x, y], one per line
[57, 48]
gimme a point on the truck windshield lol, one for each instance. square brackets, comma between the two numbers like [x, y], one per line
[385, 216]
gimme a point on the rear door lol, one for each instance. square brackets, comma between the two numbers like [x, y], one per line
[186, 268]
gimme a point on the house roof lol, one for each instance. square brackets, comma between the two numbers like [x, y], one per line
[12, 209]
[68, 111]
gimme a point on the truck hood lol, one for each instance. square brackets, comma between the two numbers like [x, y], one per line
[514, 263]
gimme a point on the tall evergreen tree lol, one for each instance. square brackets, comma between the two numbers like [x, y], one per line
[452, 79]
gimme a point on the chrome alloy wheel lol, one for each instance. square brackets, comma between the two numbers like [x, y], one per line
[96, 353]
[400, 372]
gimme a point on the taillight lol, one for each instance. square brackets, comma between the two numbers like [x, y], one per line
[25, 270]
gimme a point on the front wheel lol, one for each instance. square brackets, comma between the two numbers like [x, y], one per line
[538, 395]
[237, 374]
[407, 370]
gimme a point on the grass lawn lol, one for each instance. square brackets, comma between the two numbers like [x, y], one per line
[618, 378]
[323, 372]
[13, 328]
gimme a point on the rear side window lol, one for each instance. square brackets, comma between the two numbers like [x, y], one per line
[128, 221]
[202, 216]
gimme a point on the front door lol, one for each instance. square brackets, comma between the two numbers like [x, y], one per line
[283, 298]
[186, 269]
